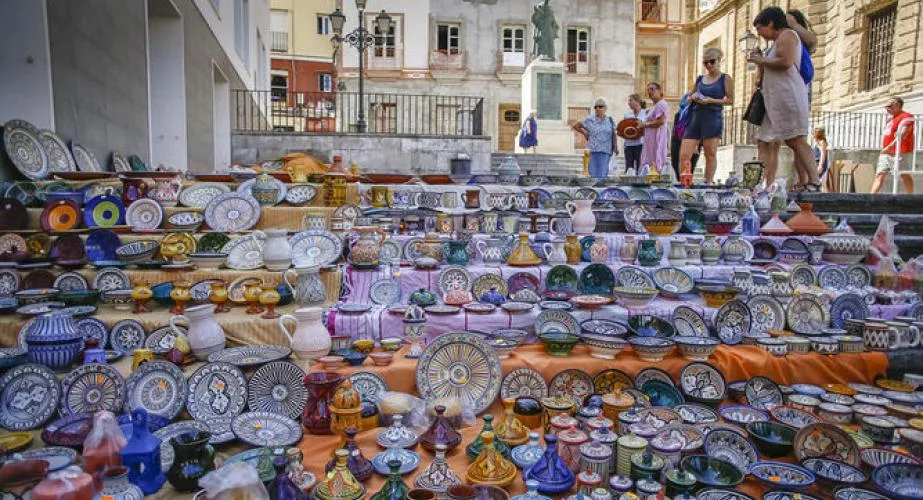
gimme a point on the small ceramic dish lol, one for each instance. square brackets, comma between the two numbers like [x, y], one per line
[382, 358]
[331, 362]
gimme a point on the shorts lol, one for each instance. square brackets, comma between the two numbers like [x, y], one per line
[886, 163]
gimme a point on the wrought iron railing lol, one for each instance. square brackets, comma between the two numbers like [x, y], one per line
[392, 114]
[651, 11]
[279, 41]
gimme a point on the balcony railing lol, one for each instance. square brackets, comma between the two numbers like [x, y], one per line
[279, 42]
[651, 11]
[390, 114]
[440, 59]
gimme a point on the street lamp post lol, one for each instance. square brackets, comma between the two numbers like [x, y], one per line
[361, 39]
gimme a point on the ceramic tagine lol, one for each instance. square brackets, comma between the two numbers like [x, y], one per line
[550, 471]
[490, 467]
[440, 432]
[474, 449]
[339, 483]
[283, 487]
[437, 476]
[522, 255]
[397, 435]
[346, 409]
[394, 487]
[360, 467]
[806, 222]
[510, 430]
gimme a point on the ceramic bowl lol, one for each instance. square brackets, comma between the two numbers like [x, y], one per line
[696, 348]
[775, 346]
[208, 260]
[737, 391]
[672, 282]
[558, 343]
[36, 295]
[834, 413]
[162, 293]
[57, 355]
[503, 347]
[773, 439]
[900, 481]
[185, 221]
[798, 345]
[881, 430]
[634, 297]
[793, 256]
[119, 299]
[803, 402]
[86, 297]
[331, 362]
[719, 228]
[532, 180]
[716, 296]
[834, 473]
[355, 358]
[561, 180]
[603, 346]
[642, 325]
[782, 475]
[824, 345]
[875, 457]
[710, 471]
[137, 250]
[912, 441]
[391, 344]
[651, 349]
[585, 181]
[591, 302]
[843, 248]
[382, 358]
[661, 226]
[743, 414]
[363, 346]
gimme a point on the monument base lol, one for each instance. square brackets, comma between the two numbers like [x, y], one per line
[544, 89]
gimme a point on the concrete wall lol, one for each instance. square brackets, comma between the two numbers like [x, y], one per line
[374, 153]
[24, 32]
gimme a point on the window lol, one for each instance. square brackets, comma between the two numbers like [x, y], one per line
[649, 69]
[384, 44]
[278, 30]
[324, 82]
[880, 47]
[278, 85]
[511, 115]
[578, 48]
[242, 29]
[650, 10]
[514, 45]
[447, 38]
[323, 24]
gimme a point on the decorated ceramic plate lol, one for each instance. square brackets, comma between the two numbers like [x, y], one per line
[858, 276]
[217, 394]
[688, 322]
[59, 157]
[573, 383]
[70, 281]
[821, 440]
[315, 247]
[549, 321]
[159, 387]
[732, 447]
[60, 215]
[633, 276]
[347, 211]
[300, 194]
[93, 387]
[385, 292]
[460, 365]
[369, 385]
[848, 306]
[200, 194]
[93, 329]
[832, 278]
[793, 417]
[411, 250]
[245, 253]
[523, 280]
[733, 321]
[101, 245]
[250, 355]
[766, 313]
[633, 215]
[803, 275]
[611, 379]
[484, 283]
[479, 307]
[58, 457]
[232, 212]
[694, 413]
[807, 314]
[111, 278]
[104, 211]
[277, 387]
[562, 277]
[763, 393]
[165, 434]
[390, 251]
[596, 279]
[523, 382]
[85, 159]
[24, 147]
[441, 309]
[702, 381]
[144, 214]
[9, 282]
[29, 397]
[454, 278]
[263, 428]
[127, 335]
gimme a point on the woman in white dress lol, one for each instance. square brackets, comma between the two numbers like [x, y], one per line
[786, 97]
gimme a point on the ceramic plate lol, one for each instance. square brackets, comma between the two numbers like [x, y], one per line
[250, 355]
[200, 194]
[144, 214]
[245, 252]
[823, 440]
[315, 247]
[688, 322]
[556, 321]
[217, 394]
[111, 278]
[157, 386]
[165, 434]
[762, 393]
[634, 277]
[596, 279]
[459, 365]
[58, 457]
[732, 447]
[390, 251]
[793, 417]
[127, 335]
[633, 215]
[803, 275]
[385, 292]
[70, 281]
[702, 381]
[858, 276]
[454, 278]
[652, 373]
[93, 387]
[369, 385]
[807, 314]
[766, 313]
[523, 280]
[24, 147]
[101, 245]
[732, 321]
[60, 216]
[848, 306]
[104, 211]
[562, 277]
[479, 307]
[609, 380]
[832, 278]
[277, 387]
[348, 211]
[29, 397]
[94, 329]
[411, 250]
[85, 159]
[59, 157]
[263, 428]
[300, 194]
[245, 187]
[694, 413]
[523, 382]
[441, 309]
[163, 338]
[232, 212]
[573, 383]
[484, 283]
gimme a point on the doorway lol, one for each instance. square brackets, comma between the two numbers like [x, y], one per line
[221, 118]
[166, 84]
[508, 128]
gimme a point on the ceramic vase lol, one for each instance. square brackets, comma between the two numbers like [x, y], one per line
[310, 340]
[677, 255]
[316, 414]
[204, 334]
[650, 252]
[557, 255]
[581, 212]
[628, 250]
[734, 249]
[193, 457]
[599, 251]
[693, 251]
[308, 289]
[115, 486]
[572, 249]
[366, 246]
[53, 340]
[277, 252]
[711, 250]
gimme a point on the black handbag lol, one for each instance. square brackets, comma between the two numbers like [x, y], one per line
[756, 108]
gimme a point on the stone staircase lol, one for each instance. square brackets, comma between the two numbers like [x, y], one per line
[543, 164]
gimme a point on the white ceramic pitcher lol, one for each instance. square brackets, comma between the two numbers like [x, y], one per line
[204, 333]
[581, 211]
[310, 340]
[277, 252]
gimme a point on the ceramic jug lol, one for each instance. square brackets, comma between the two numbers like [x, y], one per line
[472, 198]
[491, 250]
[166, 191]
[204, 334]
[193, 458]
[308, 289]
[366, 246]
[693, 252]
[310, 340]
[277, 252]
[456, 252]
[650, 253]
[628, 250]
[711, 250]
[132, 189]
[781, 285]
[581, 211]
[557, 255]
[677, 255]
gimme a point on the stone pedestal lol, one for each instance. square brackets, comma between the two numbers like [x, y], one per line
[544, 89]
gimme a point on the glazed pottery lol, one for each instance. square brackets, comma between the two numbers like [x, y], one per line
[316, 415]
[473, 450]
[440, 432]
[711, 250]
[650, 252]
[581, 211]
[277, 252]
[491, 250]
[204, 334]
[360, 467]
[734, 249]
[310, 340]
[550, 471]
[394, 487]
[628, 250]
[308, 289]
[437, 477]
[522, 255]
[806, 222]
[366, 246]
[193, 458]
[53, 340]
[573, 250]
[490, 467]
[141, 454]
[166, 191]
[339, 484]
[116, 486]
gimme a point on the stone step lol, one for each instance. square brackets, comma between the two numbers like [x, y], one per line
[864, 203]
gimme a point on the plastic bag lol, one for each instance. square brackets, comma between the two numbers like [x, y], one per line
[70, 482]
[907, 275]
[886, 274]
[412, 408]
[456, 412]
[234, 481]
[102, 445]
[883, 240]
[779, 195]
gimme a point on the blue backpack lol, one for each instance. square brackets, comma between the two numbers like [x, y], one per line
[807, 66]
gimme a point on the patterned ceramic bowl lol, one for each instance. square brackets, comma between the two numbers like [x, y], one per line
[36, 295]
[137, 250]
[824, 345]
[391, 344]
[775, 346]
[559, 344]
[382, 358]
[834, 413]
[651, 349]
[881, 430]
[798, 345]
[661, 226]
[635, 297]
[604, 346]
[185, 221]
[696, 348]
[208, 261]
[120, 299]
[716, 296]
[773, 439]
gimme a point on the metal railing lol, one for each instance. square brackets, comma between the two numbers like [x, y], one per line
[651, 11]
[392, 114]
[278, 41]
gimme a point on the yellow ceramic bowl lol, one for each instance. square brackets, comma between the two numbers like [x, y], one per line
[661, 227]
[363, 346]
[717, 297]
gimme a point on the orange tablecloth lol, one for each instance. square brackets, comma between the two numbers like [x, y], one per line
[735, 362]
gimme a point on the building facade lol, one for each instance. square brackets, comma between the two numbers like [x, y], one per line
[303, 73]
[481, 48]
[660, 51]
[152, 77]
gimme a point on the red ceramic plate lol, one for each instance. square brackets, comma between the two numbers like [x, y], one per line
[387, 178]
[436, 180]
[39, 278]
[628, 129]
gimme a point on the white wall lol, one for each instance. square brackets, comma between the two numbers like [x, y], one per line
[413, 30]
[24, 53]
[219, 15]
[166, 73]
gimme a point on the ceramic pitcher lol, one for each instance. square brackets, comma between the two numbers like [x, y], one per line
[204, 334]
[581, 211]
[557, 255]
[491, 250]
[456, 252]
[166, 191]
[277, 252]
[308, 288]
[310, 340]
[366, 247]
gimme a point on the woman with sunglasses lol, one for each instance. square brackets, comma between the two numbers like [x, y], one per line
[599, 131]
[712, 91]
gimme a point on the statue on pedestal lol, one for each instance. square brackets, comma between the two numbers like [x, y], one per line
[546, 31]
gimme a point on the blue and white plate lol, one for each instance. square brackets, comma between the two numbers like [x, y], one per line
[732, 447]
[263, 428]
[29, 396]
[127, 335]
[834, 471]
[832, 278]
[732, 321]
[159, 387]
[58, 457]
[93, 329]
[93, 387]
[848, 306]
[779, 474]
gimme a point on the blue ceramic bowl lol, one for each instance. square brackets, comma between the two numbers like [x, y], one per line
[162, 293]
[137, 250]
[833, 473]
[743, 414]
[773, 439]
[56, 355]
[285, 295]
[900, 481]
[642, 325]
[782, 475]
[710, 471]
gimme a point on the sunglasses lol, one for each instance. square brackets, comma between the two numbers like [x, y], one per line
[709, 62]
[598, 107]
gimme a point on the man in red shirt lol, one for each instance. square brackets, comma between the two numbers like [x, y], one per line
[899, 128]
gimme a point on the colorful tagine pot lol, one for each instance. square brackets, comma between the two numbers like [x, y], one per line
[339, 484]
[490, 467]
[474, 449]
[360, 467]
[440, 432]
[550, 471]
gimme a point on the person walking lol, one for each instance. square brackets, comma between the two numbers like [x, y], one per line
[528, 136]
[821, 159]
[599, 131]
[656, 132]
[633, 147]
[785, 95]
[898, 128]
[712, 91]
[676, 137]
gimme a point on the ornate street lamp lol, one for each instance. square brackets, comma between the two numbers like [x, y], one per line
[748, 43]
[361, 39]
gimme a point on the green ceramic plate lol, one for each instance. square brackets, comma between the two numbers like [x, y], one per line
[693, 221]
[212, 242]
[596, 279]
[562, 277]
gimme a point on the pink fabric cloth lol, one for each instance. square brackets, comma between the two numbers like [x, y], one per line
[656, 140]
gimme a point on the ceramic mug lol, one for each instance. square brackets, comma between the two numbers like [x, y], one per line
[489, 222]
[510, 223]
[500, 201]
[519, 201]
[542, 223]
[472, 198]
[314, 221]
[525, 225]
[561, 225]
[378, 196]
[450, 199]
[444, 223]
[403, 198]
[908, 336]
[338, 224]
[879, 336]
[430, 199]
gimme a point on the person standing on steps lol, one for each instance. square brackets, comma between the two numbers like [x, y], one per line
[712, 91]
[599, 130]
[633, 147]
[897, 132]
[528, 136]
[656, 132]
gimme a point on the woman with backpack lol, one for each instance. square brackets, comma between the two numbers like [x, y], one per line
[528, 134]
[712, 91]
[599, 130]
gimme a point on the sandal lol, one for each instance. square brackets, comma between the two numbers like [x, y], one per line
[812, 187]
[797, 188]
